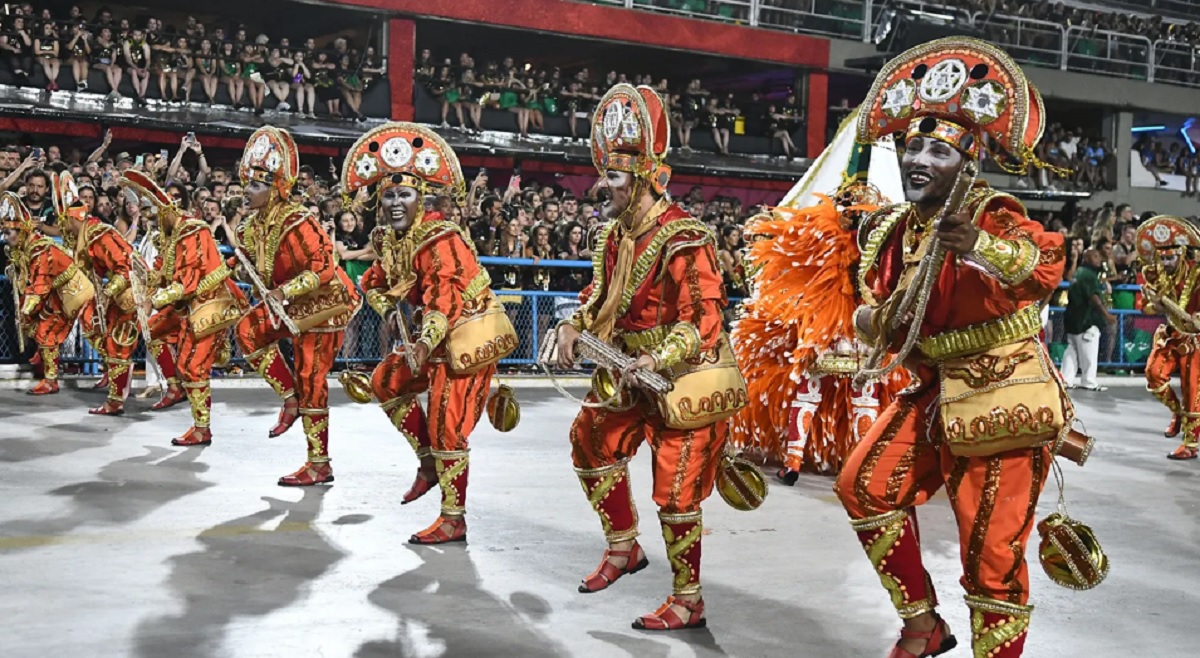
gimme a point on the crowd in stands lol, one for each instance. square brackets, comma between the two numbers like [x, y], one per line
[1173, 157]
[1084, 162]
[186, 61]
[465, 88]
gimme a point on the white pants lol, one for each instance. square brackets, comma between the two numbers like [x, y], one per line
[1083, 353]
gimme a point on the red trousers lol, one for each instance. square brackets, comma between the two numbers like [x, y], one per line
[1175, 353]
[313, 353]
[115, 343]
[898, 466]
[192, 362]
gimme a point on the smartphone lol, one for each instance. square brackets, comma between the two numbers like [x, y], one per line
[37, 153]
[140, 160]
[191, 138]
[162, 153]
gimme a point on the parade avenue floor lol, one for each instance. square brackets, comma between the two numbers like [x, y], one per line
[114, 543]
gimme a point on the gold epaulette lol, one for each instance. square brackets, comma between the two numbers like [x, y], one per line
[1025, 323]
[480, 283]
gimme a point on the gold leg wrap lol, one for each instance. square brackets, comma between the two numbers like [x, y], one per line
[452, 478]
[1166, 395]
[399, 410]
[156, 347]
[998, 628]
[261, 361]
[316, 431]
[200, 398]
[50, 363]
[119, 373]
[682, 533]
[607, 489]
[891, 545]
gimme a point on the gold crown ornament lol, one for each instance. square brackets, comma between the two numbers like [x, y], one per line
[357, 386]
[740, 483]
[503, 410]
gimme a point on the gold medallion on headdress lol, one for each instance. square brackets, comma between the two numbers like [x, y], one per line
[401, 152]
[631, 132]
[271, 157]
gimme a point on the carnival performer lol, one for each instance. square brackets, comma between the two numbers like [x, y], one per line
[195, 301]
[957, 272]
[427, 262]
[657, 297]
[1170, 289]
[109, 321]
[51, 289]
[795, 337]
[288, 254]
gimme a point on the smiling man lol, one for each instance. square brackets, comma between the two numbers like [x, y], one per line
[987, 411]
[426, 262]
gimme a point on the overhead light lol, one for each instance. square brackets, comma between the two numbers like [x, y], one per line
[1148, 129]
[1186, 137]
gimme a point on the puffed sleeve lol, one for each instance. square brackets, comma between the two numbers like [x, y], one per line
[445, 267]
[1018, 254]
[695, 291]
[307, 250]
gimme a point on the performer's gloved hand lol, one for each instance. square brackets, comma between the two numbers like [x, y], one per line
[277, 295]
[567, 335]
[957, 234]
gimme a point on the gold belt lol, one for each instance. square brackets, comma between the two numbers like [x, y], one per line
[213, 279]
[642, 340]
[837, 364]
[1025, 323]
[62, 279]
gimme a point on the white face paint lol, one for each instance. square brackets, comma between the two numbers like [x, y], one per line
[620, 184]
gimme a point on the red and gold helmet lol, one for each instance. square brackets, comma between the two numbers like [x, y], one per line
[964, 92]
[14, 216]
[1164, 234]
[631, 133]
[271, 157]
[66, 197]
[145, 190]
[401, 153]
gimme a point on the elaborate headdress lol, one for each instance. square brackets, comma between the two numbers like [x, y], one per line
[401, 153]
[631, 133]
[14, 216]
[145, 191]
[271, 157]
[66, 197]
[961, 91]
[1164, 233]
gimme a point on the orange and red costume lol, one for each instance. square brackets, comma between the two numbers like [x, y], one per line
[196, 301]
[1176, 347]
[656, 290]
[431, 266]
[109, 321]
[52, 290]
[291, 252]
[992, 440]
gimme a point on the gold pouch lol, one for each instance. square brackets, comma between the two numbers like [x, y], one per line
[215, 314]
[75, 293]
[708, 389]
[1005, 398]
[317, 307]
[481, 337]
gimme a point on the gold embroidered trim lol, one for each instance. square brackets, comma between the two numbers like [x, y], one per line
[379, 301]
[115, 286]
[678, 547]
[602, 470]
[885, 220]
[30, 305]
[644, 340]
[62, 279]
[301, 284]
[1025, 323]
[167, 295]
[682, 343]
[434, 328]
[1008, 261]
[477, 286]
[214, 279]
[683, 517]
[988, 639]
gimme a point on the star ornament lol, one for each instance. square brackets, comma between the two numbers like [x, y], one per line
[898, 99]
[428, 161]
[397, 152]
[984, 102]
[366, 166]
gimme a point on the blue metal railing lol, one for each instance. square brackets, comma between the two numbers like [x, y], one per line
[533, 312]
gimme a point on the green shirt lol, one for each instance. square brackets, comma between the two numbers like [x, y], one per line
[1082, 313]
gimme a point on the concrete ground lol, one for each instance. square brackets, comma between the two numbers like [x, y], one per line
[113, 543]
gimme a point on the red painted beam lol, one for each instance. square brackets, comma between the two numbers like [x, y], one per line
[818, 112]
[623, 25]
[402, 47]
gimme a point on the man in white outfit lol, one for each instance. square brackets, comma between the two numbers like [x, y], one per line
[1085, 312]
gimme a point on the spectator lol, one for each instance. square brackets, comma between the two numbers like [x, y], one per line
[79, 47]
[1085, 315]
[19, 48]
[137, 60]
[45, 46]
[105, 59]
